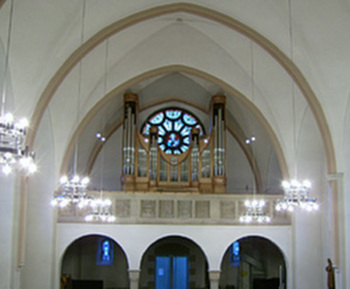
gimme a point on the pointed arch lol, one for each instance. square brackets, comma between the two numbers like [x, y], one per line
[206, 13]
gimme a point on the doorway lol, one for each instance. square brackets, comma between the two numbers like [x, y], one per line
[172, 272]
[174, 263]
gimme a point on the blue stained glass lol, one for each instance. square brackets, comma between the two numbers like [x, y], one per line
[161, 130]
[173, 114]
[186, 131]
[157, 119]
[173, 140]
[186, 140]
[178, 125]
[184, 148]
[105, 253]
[174, 129]
[189, 119]
[200, 129]
[146, 129]
[168, 124]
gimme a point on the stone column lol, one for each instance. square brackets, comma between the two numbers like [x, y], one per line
[214, 277]
[134, 276]
[337, 225]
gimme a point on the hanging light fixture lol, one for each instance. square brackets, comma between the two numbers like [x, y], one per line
[73, 190]
[14, 154]
[101, 211]
[296, 193]
[255, 212]
[255, 208]
[102, 208]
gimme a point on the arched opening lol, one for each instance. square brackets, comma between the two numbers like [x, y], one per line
[94, 262]
[174, 263]
[253, 263]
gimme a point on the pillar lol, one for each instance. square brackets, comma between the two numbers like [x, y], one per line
[214, 277]
[134, 276]
[337, 226]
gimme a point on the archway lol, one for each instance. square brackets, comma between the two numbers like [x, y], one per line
[253, 263]
[174, 262]
[95, 262]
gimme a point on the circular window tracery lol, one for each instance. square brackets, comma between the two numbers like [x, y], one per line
[174, 129]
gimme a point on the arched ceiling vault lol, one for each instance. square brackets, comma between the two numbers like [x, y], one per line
[108, 132]
[191, 71]
[206, 13]
[234, 130]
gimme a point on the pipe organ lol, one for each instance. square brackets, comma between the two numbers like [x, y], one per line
[171, 152]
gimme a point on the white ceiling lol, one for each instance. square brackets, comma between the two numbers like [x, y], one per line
[213, 59]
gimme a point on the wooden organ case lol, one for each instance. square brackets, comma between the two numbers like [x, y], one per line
[153, 160]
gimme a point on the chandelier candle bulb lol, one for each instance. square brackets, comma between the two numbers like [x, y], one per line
[13, 152]
[296, 195]
[72, 191]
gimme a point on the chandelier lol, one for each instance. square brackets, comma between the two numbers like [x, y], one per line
[72, 192]
[254, 212]
[296, 194]
[13, 152]
[101, 211]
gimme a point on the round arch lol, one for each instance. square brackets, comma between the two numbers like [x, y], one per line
[258, 235]
[171, 252]
[116, 125]
[96, 258]
[200, 11]
[256, 259]
[80, 236]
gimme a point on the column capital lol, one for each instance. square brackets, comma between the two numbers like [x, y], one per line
[134, 274]
[335, 176]
[214, 274]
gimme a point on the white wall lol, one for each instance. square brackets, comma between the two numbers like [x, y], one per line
[213, 240]
[40, 227]
[8, 228]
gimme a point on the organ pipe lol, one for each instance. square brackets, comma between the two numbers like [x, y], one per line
[203, 167]
[130, 111]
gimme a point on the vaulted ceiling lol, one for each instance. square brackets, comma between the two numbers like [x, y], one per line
[277, 64]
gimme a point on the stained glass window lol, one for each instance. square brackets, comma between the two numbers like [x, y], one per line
[174, 129]
[105, 253]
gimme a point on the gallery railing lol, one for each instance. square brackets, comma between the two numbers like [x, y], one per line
[177, 208]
